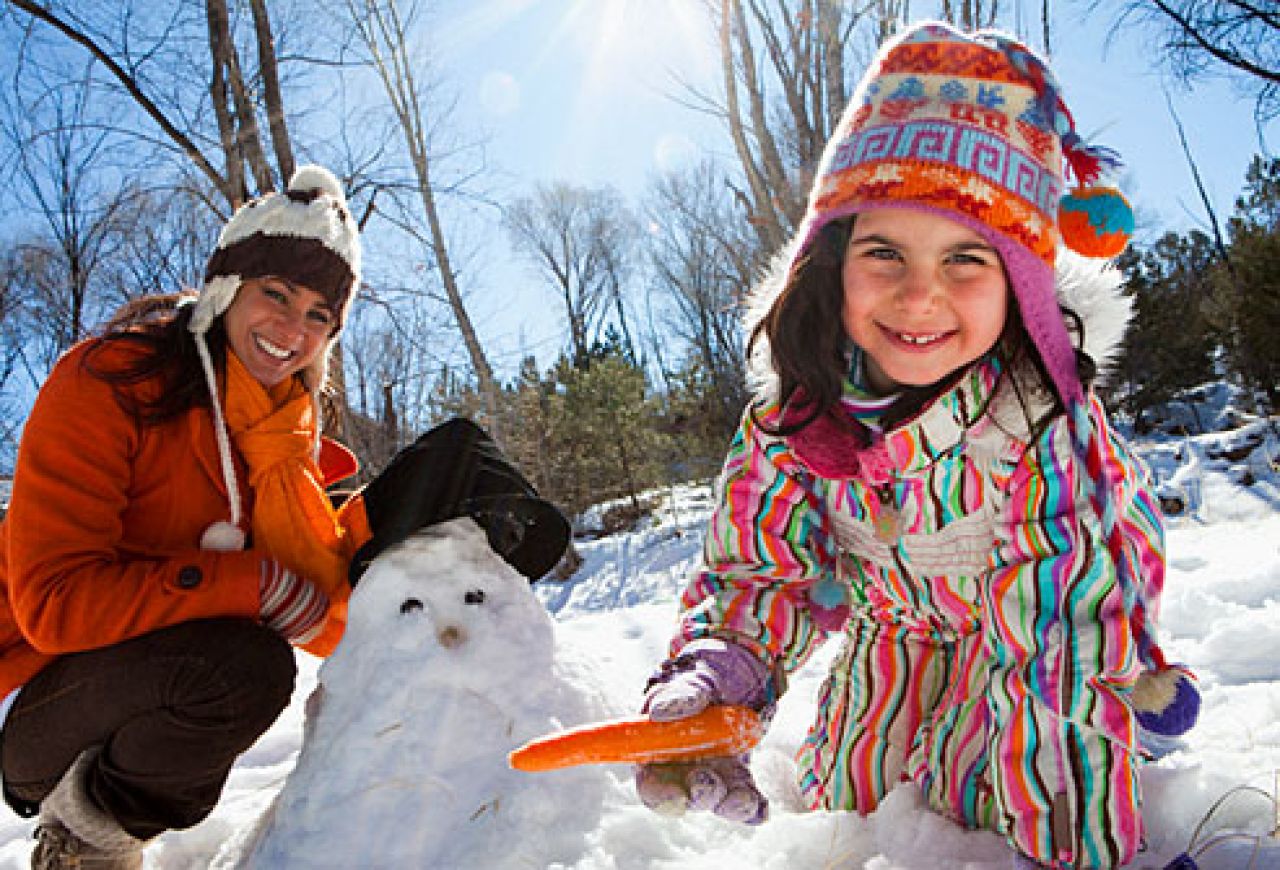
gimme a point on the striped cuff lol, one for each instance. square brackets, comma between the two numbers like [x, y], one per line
[291, 605]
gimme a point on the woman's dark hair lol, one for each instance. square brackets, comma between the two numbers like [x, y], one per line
[157, 326]
[805, 330]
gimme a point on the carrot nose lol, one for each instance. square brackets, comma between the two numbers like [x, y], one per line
[451, 636]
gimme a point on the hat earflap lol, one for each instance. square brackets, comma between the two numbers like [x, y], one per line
[215, 297]
[1165, 699]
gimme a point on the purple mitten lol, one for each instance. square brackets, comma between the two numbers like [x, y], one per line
[705, 673]
[708, 671]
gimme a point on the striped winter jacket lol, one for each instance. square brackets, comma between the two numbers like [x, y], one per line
[979, 528]
[969, 503]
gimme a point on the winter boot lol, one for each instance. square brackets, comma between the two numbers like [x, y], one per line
[75, 833]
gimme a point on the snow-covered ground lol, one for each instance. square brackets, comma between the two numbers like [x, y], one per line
[610, 625]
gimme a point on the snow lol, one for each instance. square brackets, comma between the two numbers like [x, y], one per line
[401, 761]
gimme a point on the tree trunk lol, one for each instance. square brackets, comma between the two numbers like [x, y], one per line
[271, 95]
[219, 50]
[244, 120]
[383, 33]
[763, 218]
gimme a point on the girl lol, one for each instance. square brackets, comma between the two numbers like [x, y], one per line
[924, 474]
[169, 533]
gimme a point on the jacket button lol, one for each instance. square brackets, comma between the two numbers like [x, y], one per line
[189, 576]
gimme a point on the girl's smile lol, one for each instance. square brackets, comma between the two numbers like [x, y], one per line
[923, 296]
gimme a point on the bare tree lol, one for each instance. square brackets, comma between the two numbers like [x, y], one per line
[61, 174]
[581, 240]
[385, 36]
[272, 96]
[170, 234]
[696, 256]
[1200, 37]
[133, 39]
[971, 14]
[785, 79]
[11, 343]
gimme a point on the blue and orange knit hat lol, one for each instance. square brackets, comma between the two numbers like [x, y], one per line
[973, 127]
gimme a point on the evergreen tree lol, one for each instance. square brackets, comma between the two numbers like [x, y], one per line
[1169, 348]
[601, 425]
[1249, 290]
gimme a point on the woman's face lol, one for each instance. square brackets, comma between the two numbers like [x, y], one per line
[923, 296]
[276, 329]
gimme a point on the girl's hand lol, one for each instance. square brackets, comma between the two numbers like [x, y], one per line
[723, 786]
[706, 672]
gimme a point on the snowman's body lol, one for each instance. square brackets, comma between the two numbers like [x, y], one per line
[448, 663]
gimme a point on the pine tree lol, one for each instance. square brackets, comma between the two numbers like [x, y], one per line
[602, 415]
[1169, 348]
[1249, 291]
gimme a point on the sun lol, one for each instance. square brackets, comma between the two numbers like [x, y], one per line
[641, 41]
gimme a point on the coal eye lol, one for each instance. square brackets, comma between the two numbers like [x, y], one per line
[410, 605]
[474, 596]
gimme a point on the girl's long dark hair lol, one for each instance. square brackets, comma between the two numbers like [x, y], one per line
[805, 330]
[166, 354]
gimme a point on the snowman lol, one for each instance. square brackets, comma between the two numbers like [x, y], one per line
[448, 662]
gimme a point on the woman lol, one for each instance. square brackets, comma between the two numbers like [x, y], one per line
[170, 536]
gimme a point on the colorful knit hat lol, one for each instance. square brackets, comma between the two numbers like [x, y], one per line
[973, 127]
[304, 235]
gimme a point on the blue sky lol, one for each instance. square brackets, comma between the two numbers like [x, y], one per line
[581, 91]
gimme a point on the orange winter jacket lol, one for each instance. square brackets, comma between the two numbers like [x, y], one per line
[101, 542]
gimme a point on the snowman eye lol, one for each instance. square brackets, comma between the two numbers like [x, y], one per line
[410, 605]
[474, 596]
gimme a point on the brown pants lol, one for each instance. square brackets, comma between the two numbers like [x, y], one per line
[170, 711]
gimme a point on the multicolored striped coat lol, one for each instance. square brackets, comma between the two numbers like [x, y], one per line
[987, 654]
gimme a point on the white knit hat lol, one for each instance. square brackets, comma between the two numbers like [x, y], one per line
[305, 236]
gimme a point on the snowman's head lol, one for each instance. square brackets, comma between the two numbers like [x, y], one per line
[444, 596]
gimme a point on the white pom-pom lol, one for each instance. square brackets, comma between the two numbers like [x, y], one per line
[223, 537]
[1155, 690]
[313, 177]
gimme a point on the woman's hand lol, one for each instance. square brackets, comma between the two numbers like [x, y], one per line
[292, 605]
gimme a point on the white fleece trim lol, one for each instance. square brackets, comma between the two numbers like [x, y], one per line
[69, 805]
[215, 298]
[325, 219]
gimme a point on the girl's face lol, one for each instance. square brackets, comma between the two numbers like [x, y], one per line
[923, 296]
[276, 329]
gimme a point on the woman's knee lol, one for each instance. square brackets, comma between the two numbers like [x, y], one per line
[238, 670]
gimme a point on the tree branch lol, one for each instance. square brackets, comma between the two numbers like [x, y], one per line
[1231, 58]
[131, 86]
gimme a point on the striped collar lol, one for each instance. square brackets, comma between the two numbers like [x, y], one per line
[829, 446]
[943, 424]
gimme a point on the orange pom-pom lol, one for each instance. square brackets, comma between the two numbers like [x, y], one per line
[1095, 221]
